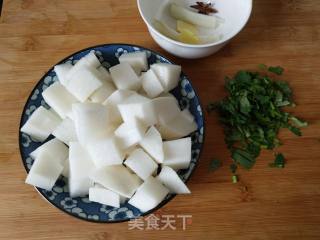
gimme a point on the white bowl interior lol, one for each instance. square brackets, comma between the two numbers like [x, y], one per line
[234, 13]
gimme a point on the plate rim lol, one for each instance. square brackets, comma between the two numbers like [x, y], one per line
[163, 203]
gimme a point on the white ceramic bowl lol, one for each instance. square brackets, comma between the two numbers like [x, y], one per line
[235, 13]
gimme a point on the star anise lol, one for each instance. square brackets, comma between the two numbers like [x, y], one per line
[204, 8]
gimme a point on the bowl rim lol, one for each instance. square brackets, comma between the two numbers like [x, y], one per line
[151, 27]
[164, 202]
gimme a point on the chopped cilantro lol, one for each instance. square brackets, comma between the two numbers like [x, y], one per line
[279, 161]
[252, 115]
[277, 70]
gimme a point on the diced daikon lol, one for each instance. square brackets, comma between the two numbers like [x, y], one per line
[55, 149]
[124, 77]
[151, 84]
[40, 124]
[137, 106]
[166, 108]
[130, 150]
[169, 74]
[137, 60]
[88, 61]
[62, 71]
[181, 126]
[122, 199]
[105, 152]
[105, 75]
[92, 122]
[102, 93]
[92, 60]
[104, 196]
[130, 134]
[66, 131]
[187, 115]
[172, 181]
[152, 144]
[66, 168]
[45, 171]
[177, 153]
[142, 92]
[149, 195]
[112, 102]
[54, 113]
[80, 167]
[118, 179]
[140, 163]
[168, 94]
[59, 99]
[83, 82]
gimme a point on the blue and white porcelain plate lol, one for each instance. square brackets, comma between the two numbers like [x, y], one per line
[81, 207]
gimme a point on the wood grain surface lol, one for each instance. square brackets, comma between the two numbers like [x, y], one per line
[278, 203]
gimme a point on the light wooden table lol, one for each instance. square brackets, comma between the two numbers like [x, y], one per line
[279, 204]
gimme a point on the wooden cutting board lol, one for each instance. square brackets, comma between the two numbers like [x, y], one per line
[278, 203]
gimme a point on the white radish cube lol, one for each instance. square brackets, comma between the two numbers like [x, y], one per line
[55, 148]
[123, 199]
[151, 84]
[130, 134]
[92, 60]
[66, 131]
[172, 181]
[118, 97]
[142, 92]
[124, 77]
[45, 171]
[177, 153]
[149, 195]
[102, 93]
[181, 126]
[92, 122]
[137, 60]
[141, 164]
[59, 99]
[152, 144]
[130, 150]
[62, 71]
[80, 167]
[66, 168]
[169, 74]
[104, 196]
[168, 94]
[186, 114]
[166, 108]
[105, 75]
[89, 61]
[55, 113]
[83, 82]
[41, 124]
[137, 106]
[136, 98]
[118, 179]
[105, 152]
[112, 102]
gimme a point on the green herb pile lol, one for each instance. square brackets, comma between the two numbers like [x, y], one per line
[252, 115]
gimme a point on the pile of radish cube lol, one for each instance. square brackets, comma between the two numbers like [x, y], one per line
[114, 130]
